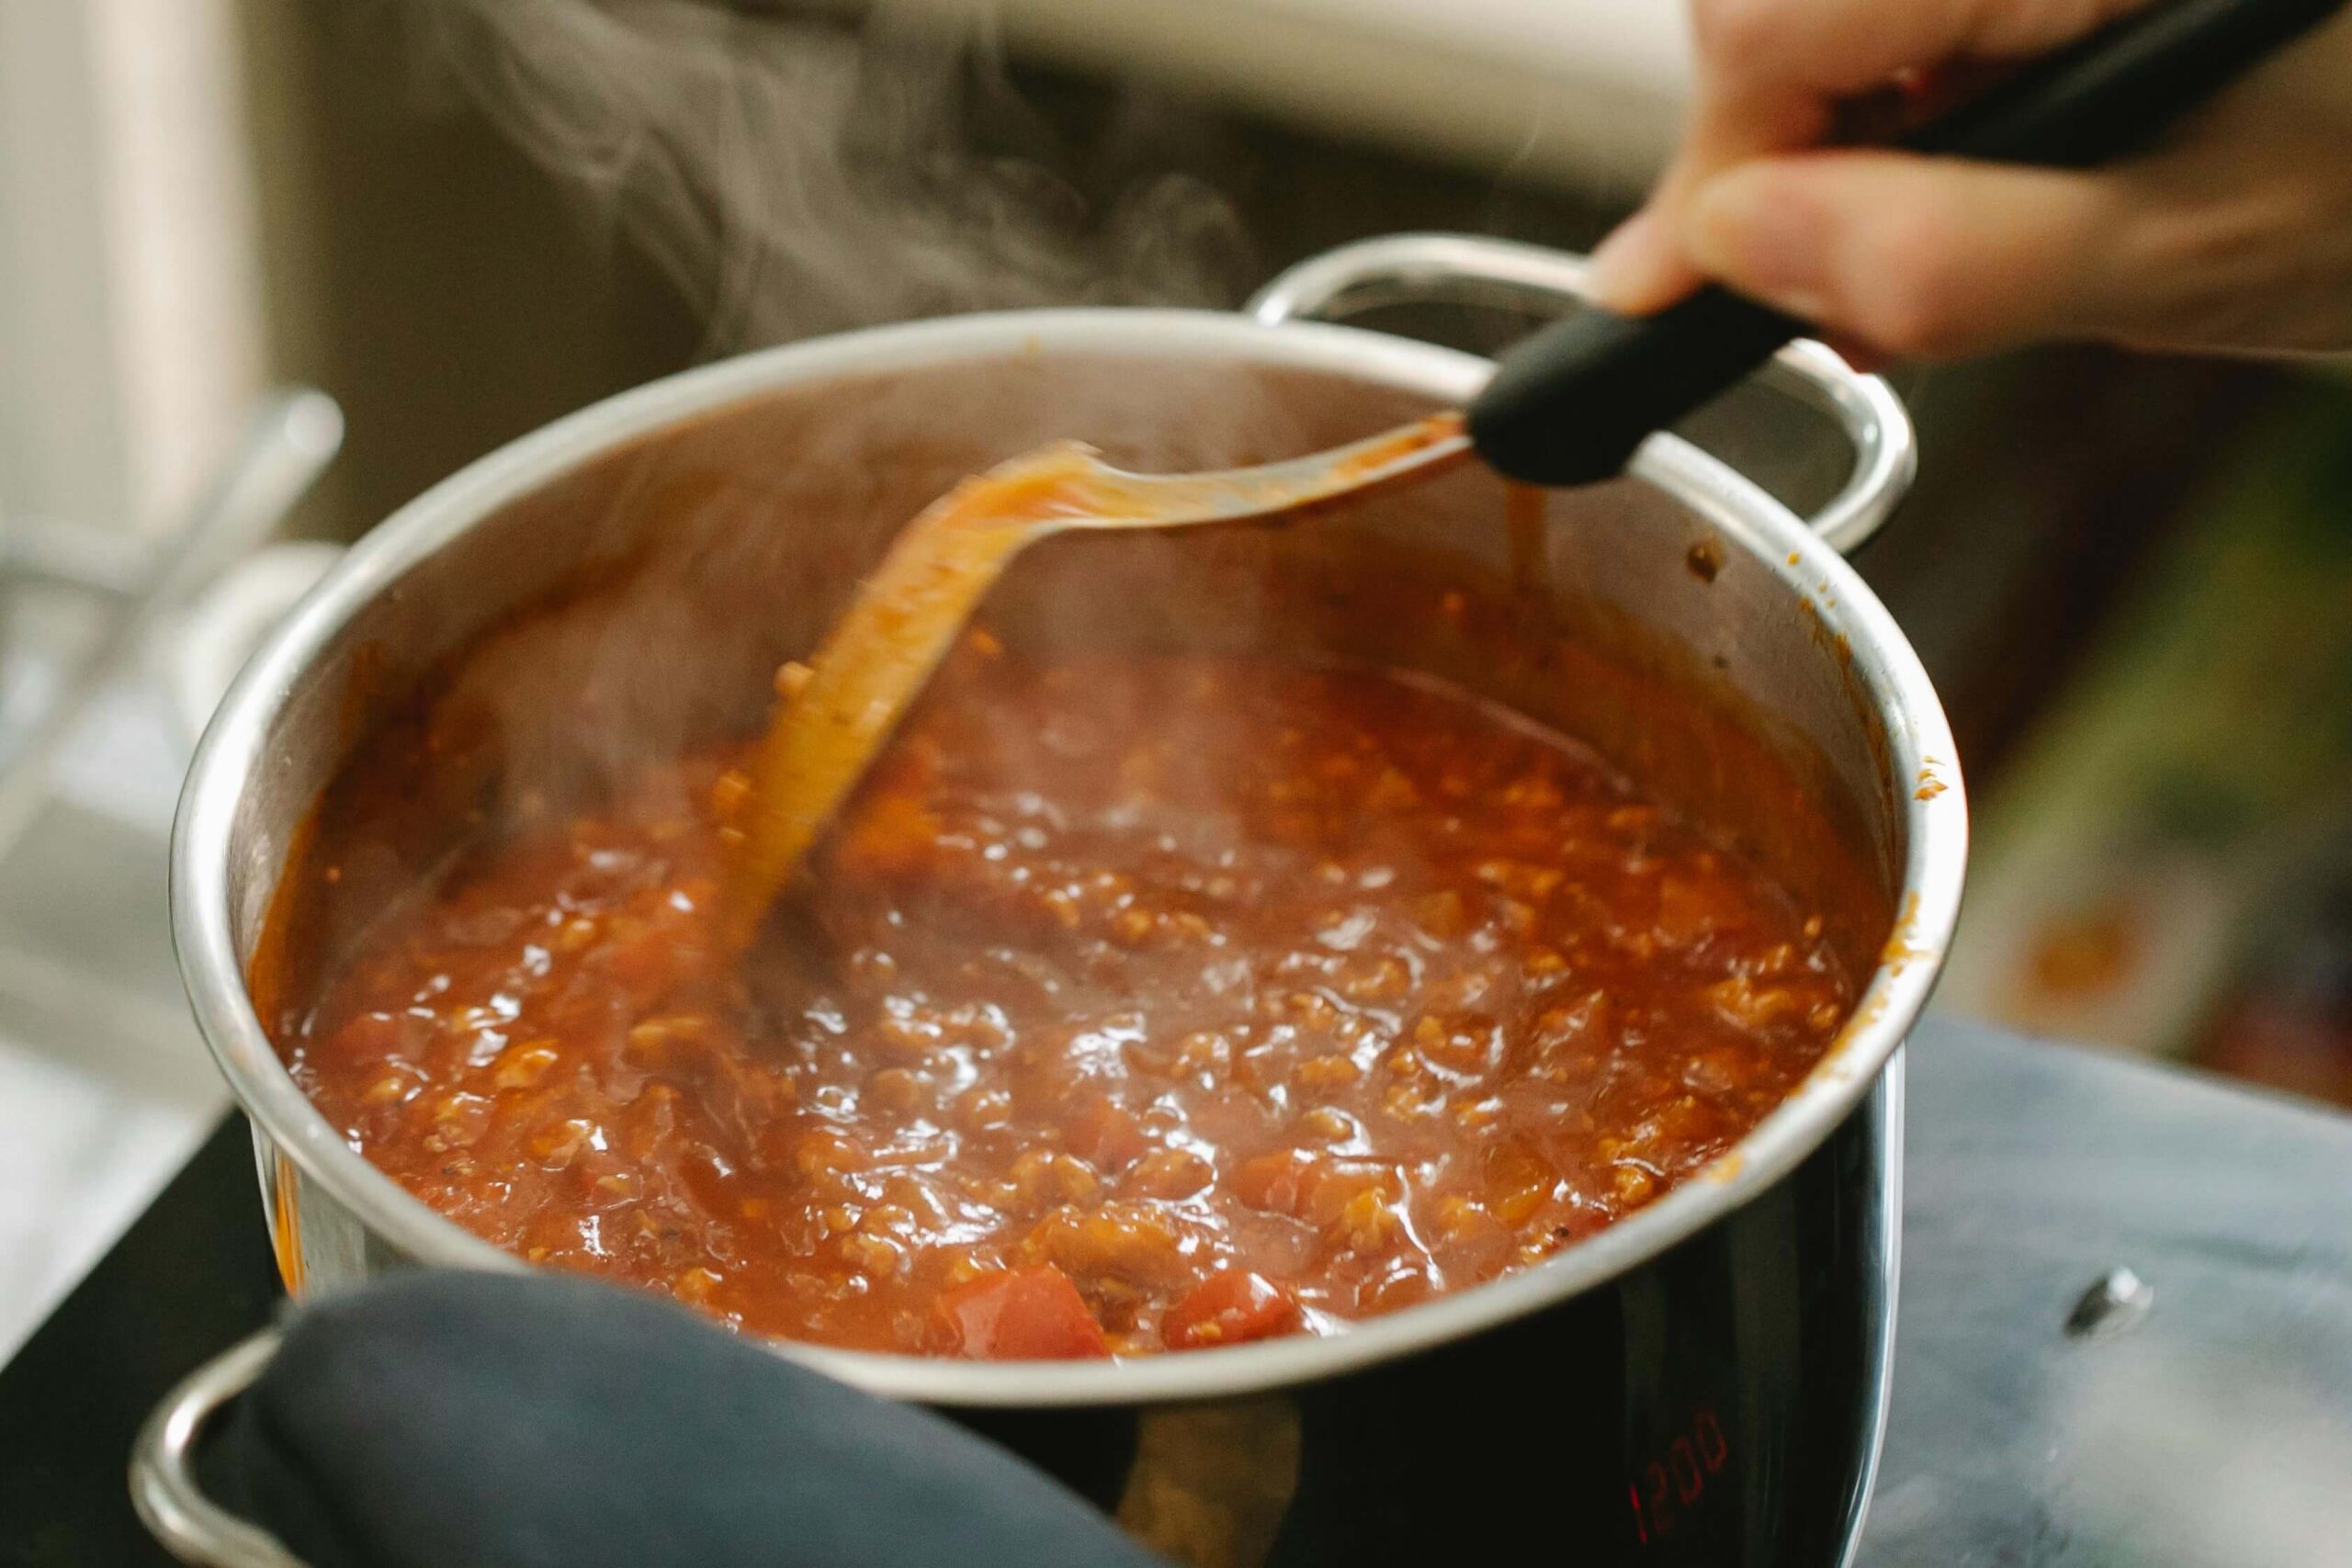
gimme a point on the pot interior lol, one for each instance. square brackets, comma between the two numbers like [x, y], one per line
[638, 602]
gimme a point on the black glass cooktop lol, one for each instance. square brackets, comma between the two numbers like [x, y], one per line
[2125, 1333]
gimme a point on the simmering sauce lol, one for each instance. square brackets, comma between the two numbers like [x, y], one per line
[1132, 1004]
[832, 717]
[835, 716]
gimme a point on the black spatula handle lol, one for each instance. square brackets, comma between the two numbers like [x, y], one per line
[1569, 405]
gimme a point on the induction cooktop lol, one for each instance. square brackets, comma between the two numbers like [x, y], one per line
[2125, 1335]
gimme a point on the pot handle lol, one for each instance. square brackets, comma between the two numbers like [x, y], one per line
[1473, 269]
[191, 1526]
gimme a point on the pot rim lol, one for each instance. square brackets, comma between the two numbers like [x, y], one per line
[1885, 670]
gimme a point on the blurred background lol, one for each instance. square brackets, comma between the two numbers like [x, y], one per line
[2130, 578]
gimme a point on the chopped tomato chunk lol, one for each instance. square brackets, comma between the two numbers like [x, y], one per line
[1108, 1135]
[1274, 1181]
[893, 835]
[1228, 1308]
[1025, 1315]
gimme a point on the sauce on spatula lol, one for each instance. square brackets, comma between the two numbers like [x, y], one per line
[877, 657]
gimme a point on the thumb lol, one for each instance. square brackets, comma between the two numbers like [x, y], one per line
[1914, 258]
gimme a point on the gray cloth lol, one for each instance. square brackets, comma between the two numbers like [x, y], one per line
[440, 1420]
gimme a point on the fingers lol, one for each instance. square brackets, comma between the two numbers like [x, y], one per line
[1916, 259]
[1839, 48]
[1643, 266]
[1769, 76]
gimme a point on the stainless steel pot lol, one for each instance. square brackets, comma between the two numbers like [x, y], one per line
[1689, 567]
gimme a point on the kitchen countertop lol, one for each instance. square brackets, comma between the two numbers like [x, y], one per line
[2208, 1425]
[105, 1087]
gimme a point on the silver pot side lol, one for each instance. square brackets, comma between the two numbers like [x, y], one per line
[707, 479]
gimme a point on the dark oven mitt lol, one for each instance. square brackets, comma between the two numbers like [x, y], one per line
[445, 1419]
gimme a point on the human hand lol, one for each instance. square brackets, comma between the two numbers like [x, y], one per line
[2233, 233]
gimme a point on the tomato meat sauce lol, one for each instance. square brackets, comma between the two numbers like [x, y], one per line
[1134, 1004]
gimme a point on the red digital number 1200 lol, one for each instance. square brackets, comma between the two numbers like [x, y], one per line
[1677, 1479]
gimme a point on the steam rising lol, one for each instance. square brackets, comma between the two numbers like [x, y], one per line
[795, 176]
[792, 175]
